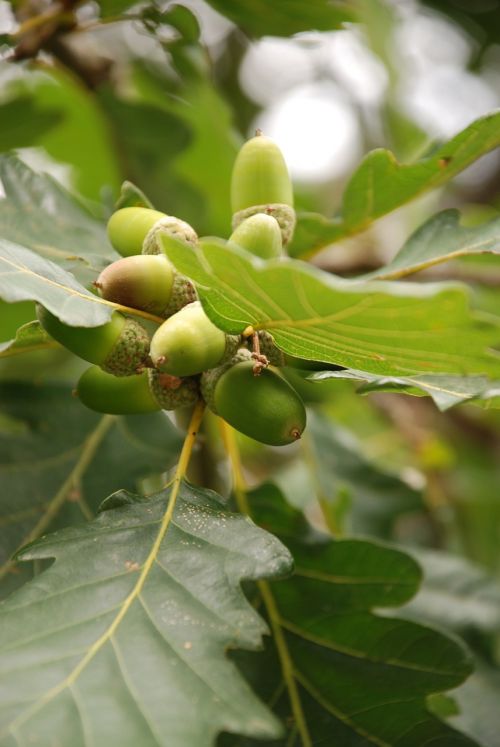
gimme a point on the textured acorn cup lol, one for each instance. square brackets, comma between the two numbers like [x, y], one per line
[141, 282]
[188, 343]
[260, 235]
[263, 407]
[128, 227]
[261, 184]
[121, 346]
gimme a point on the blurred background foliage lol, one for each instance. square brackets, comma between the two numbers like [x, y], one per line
[163, 94]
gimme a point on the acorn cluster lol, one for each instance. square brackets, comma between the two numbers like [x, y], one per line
[187, 356]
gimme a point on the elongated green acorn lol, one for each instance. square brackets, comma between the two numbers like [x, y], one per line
[261, 184]
[263, 407]
[129, 395]
[141, 282]
[128, 227]
[260, 234]
[121, 346]
[188, 343]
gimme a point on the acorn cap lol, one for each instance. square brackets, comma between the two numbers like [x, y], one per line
[130, 353]
[188, 343]
[171, 226]
[172, 392]
[260, 175]
[259, 234]
[127, 395]
[128, 227]
[140, 282]
[274, 355]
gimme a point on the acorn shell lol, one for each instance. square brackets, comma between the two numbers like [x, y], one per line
[260, 175]
[140, 282]
[127, 395]
[128, 227]
[263, 407]
[188, 343]
[171, 226]
[260, 234]
[284, 214]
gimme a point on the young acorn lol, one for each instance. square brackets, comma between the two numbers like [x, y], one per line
[120, 347]
[260, 234]
[261, 184]
[144, 282]
[263, 407]
[128, 227]
[129, 395]
[188, 343]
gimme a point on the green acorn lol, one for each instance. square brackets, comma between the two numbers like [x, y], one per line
[261, 184]
[140, 282]
[260, 234]
[128, 227]
[188, 343]
[121, 346]
[263, 407]
[147, 392]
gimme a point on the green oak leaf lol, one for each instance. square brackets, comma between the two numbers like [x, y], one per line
[29, 337]
[57, 481]
[382, 328]
[361, 678]
[441, 239]
[123, 639]
[381, 184]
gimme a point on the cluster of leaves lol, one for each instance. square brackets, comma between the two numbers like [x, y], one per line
[116, 625]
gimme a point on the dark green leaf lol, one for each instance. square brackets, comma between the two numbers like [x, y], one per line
[381, 184]
[123, 639]
[59, 457]
[29, 337]
[362, 679]
[23, 123]
[285, 17]
[386, 329]
[132, 196]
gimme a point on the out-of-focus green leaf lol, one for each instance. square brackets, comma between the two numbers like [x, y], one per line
[25, 276]
[454, 593]
[441, 239]
[446, 391]
[59, 460]
[29, 337]
[386, 329]
[13, 316]
[23, 124]
[38, 213]
[381, 184]
[115, 7]
[339, 469]
[125, 636]
[81, 138]
[285, 17]
[361, 679]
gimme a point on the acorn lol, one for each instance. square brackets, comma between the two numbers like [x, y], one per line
[264, 407]
[121, 346]
[128, 227]
[129, 395]
[260, 234]
[188, 343]
[261, 184]
[141, 282]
